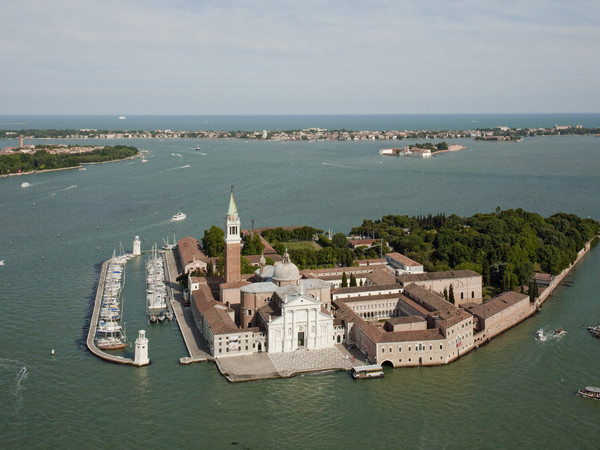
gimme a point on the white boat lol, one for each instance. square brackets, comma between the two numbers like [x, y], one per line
[363, 372]
[198, 148]
[122, 117]
[179, 216]
[1, 262]
[539, 335]
[24, 184]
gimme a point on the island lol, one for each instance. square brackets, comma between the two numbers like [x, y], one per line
[425, 150]
[26, 159]
[499, 133]
[399, 291]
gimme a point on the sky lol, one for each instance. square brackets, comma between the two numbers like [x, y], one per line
[299, 57]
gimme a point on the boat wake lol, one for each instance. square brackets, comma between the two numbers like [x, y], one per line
[545, 335]
[180, 167]
[20, 377]
[337, 165]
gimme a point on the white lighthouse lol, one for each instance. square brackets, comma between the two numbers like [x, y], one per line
[141, 350]
[137, 246]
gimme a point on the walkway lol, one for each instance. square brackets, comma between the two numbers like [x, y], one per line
[194, 341]
[260, 366]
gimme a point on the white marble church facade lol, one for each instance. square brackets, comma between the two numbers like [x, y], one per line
[301, 325]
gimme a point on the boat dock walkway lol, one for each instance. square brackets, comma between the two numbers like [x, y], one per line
[196, 346]
[91, 344]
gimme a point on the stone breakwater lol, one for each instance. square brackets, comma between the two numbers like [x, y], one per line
[90, 342]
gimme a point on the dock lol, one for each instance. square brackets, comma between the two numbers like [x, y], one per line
[91, 344]
[194, 341]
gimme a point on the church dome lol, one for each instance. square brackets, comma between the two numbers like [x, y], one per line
[286, 270]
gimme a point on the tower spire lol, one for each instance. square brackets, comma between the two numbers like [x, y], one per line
[232, 211]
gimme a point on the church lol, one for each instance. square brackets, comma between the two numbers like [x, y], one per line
[274, 310]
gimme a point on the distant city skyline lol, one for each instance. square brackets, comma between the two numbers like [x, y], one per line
[311, 57]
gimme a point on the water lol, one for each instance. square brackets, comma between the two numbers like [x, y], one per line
[514, 390]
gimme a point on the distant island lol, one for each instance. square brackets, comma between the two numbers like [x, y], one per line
[37, 158]
[307, 134]
[425, 150]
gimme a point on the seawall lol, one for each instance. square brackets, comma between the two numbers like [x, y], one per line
[91, 345]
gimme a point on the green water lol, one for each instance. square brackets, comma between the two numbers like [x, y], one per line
[514, 392]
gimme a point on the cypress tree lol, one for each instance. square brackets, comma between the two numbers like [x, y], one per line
[344, 280]
[352, 280]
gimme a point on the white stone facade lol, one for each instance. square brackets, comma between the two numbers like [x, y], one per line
[301, 324]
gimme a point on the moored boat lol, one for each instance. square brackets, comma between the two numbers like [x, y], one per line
[590, 392]
[364, 372]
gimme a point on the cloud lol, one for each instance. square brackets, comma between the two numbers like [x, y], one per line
[272, 56]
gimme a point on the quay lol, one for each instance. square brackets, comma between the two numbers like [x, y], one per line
[91, 345]
[194, 342]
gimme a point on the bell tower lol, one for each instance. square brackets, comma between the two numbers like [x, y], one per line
[232, 258]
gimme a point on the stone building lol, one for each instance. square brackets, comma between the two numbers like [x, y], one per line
[466, 284]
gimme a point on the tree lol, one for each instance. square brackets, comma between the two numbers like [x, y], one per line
[344, 280]
[339, 240]
[451, 294]
[485, 269]
[213, 241]
[252, 245]
[352, 280]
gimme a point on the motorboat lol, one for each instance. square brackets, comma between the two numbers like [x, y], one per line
[559, 332]
[590, 392]
[595, 331]
[179, 216]
[364, 372]
[25, 184]
[539, 335]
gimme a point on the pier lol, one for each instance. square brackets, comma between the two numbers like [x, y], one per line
[194, 342]
[91, 344]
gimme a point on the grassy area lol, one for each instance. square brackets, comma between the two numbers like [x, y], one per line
[302, 245]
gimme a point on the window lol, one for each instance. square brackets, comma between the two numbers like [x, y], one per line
[382, 350]
[462, 295]
[409, 350]
[249, 312]
[472, 294]
[399, 349]
[440, 346]
[431, 347]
